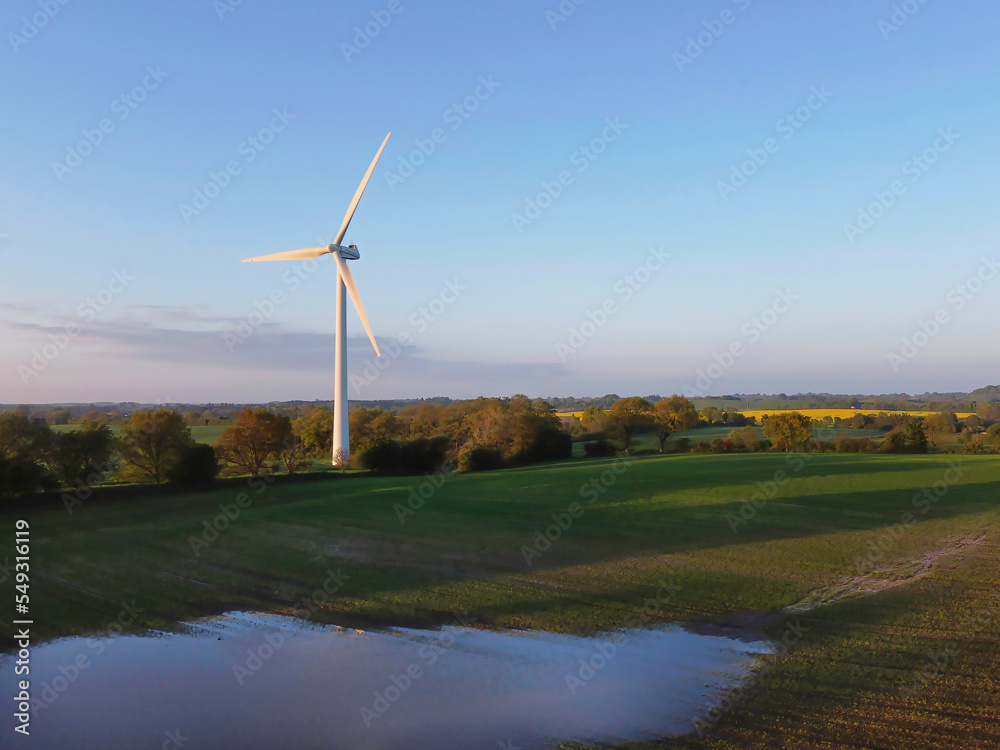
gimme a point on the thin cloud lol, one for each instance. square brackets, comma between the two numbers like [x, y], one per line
[198, 340]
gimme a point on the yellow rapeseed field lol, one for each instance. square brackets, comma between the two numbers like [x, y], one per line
[843, 413]
[815, 413]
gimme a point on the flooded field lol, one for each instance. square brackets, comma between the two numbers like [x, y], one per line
[260, 681]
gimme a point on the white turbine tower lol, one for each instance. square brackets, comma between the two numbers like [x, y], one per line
[345, 283]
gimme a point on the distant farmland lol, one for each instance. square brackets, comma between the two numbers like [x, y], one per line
[207, 434]
[815, 413]
[845, 413]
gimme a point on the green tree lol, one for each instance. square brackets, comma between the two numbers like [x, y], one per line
[81, 455]
[894, 441]
[789, 430]
[542, 407]
[535, 432]
[941, 428]
[733, 418]
[315, 432]
[367, 425]
[914, 438]
[973, 443]
[711, 415]
[522, 426]
[944, 422]
[60, 416]
[151, 442]
[594, 419]
[292, 452]
[24, 444]
[629, 415]
[423, 420]
[973, 423]
[673, 415]
[989, 412]
[97, 417]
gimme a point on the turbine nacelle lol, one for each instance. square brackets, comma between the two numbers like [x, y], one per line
[349, 252]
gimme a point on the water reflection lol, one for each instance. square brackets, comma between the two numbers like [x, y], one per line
[252, 681]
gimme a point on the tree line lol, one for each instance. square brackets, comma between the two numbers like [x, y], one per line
[781, 431]
[156, 445]
[794, 431]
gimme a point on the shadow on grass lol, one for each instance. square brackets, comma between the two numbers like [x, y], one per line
[132, 546]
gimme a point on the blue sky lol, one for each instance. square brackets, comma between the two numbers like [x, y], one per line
[695, 89]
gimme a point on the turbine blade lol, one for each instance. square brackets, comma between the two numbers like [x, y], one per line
[309, 252]
[357, 196]
[352, 290]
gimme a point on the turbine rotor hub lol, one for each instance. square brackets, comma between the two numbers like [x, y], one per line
[346, 252]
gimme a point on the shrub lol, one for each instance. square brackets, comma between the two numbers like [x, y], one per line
[854, 445]
[19, 477]
[600, 448]
[381, 455]
[750, 439]
[415, 457]
[424, 455]
[24, 445]
[479, 459]
[909, 438]
[196, 464]
[551, 444]
[894, 441]
[973, 444]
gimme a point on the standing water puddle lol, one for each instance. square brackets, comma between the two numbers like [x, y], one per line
[249, 681]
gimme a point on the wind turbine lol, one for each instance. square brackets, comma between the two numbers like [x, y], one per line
[345, 283]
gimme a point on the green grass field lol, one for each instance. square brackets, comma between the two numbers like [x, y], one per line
[932, 586]
[208, 434]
